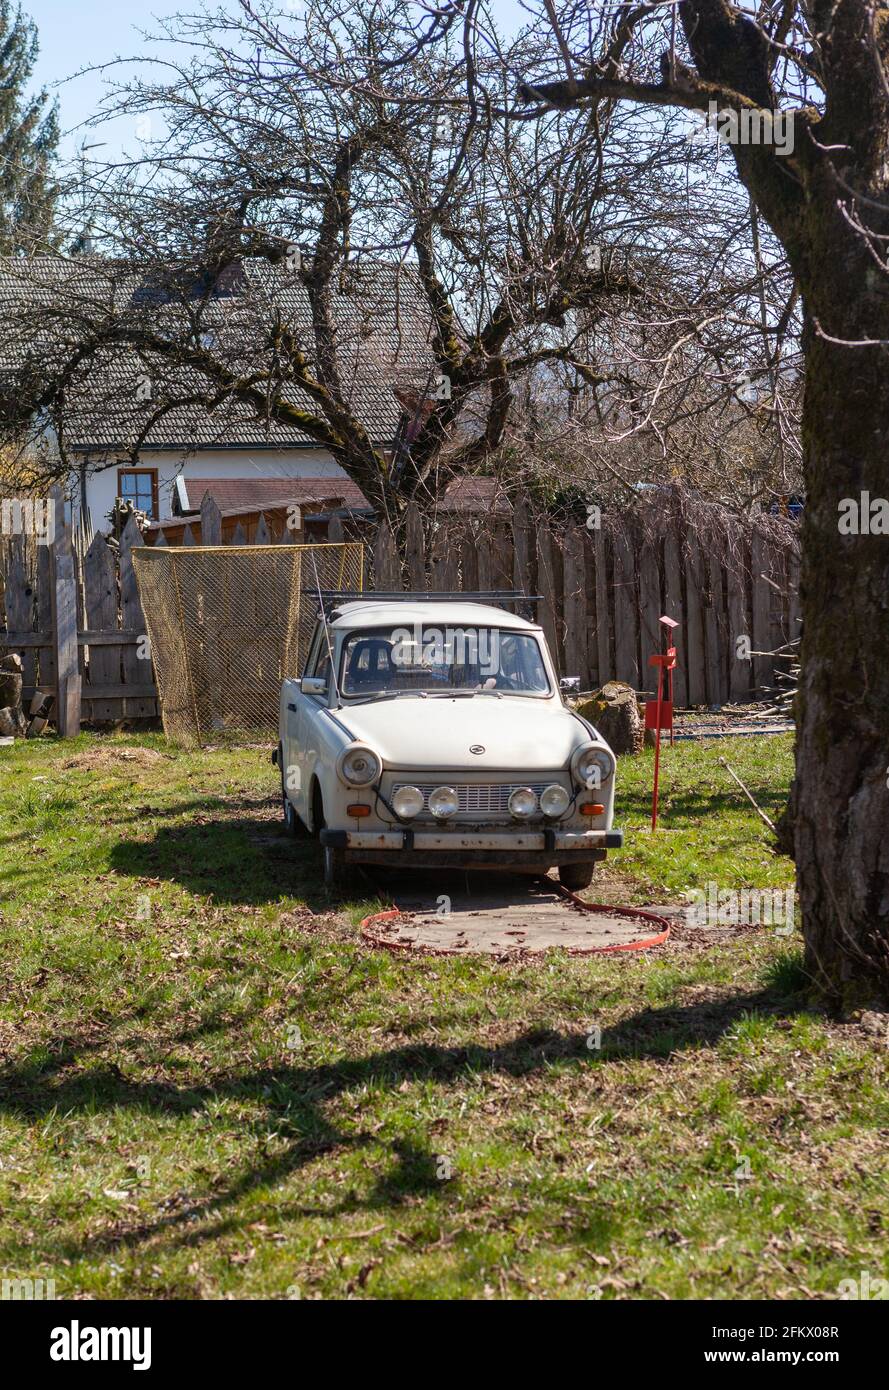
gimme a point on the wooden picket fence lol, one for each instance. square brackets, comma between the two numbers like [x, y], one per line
[76, 620]
[730, 582]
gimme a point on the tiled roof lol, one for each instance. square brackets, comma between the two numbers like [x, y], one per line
[47, 303]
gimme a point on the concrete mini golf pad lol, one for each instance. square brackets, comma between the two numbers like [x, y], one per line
[496, 916]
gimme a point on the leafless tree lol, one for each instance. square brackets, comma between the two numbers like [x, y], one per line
[466, 259]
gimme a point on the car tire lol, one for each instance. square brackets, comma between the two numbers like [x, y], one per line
[575, 877]
[336, 875]
[292, 823]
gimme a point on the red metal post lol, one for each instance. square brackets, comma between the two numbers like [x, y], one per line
[657, 746]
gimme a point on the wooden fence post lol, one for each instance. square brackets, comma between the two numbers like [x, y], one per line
[762, 602]
[387, 574]
[603, 610]
[577, 634]
[521, 532]
[694, 634]
[211, 521]
[100, 606]
[415, 547]
[136, 670]
[675, 608]
[546, 579]
[65, 624]
[625, 645]
[650, 609]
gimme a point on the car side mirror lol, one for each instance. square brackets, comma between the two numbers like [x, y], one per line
[313, 685]
[569, 685]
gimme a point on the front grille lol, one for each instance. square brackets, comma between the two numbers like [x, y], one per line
[476, 798]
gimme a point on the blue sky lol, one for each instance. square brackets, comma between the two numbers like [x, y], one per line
[74, 36]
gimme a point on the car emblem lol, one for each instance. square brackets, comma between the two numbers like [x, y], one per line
[476, 748]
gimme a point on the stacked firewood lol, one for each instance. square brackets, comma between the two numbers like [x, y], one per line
[14, 721]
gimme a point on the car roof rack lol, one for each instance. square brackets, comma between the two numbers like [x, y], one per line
[333, 598]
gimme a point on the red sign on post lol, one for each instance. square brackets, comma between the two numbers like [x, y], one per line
[662, 720]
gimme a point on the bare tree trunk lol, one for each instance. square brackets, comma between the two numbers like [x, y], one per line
[841, 795]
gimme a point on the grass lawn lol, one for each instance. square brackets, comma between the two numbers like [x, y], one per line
[210, 1088]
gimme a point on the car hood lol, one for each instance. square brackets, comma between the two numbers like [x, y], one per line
[514, 733]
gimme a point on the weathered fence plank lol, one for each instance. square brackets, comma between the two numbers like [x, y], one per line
[762, 602]
[521, 536]
[415, 548]
[714, 623]
[603, 611]
[469, 561]
[650, 610]
[694, 630]
[65, 625]
[20, 604]
[546, 581]
[738, 629]
[675, 608]
[47, 657]
[589, 569]
[135, 660]
[485, 564]
[626, 660]
[100, 605]
[211, 522]
[574, 607]
[387, 571]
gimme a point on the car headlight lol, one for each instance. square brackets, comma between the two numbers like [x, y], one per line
[522, 803]
[407, 802]
[359, 766]
[443, 802]
[592, 765]
[554, 801]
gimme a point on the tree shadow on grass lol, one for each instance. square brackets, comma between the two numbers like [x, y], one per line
[245, 860]
[294, 1099]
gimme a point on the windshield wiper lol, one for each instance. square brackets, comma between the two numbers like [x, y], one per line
[463, 694]
[386, 695]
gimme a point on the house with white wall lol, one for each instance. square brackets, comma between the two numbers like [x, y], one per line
[137, 426]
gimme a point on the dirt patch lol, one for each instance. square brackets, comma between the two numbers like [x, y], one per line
[105, 759]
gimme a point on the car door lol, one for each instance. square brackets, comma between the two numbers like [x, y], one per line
[302, 714]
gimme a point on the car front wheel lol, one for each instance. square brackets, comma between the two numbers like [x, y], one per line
[574, 877]
[292, 823]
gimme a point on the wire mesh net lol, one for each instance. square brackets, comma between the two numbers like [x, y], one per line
[227, 623]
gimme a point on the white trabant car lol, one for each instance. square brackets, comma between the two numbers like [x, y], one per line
[435, 734]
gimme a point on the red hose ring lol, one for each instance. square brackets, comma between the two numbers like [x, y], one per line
[644, 945]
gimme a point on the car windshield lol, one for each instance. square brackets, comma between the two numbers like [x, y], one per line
[438, 660]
